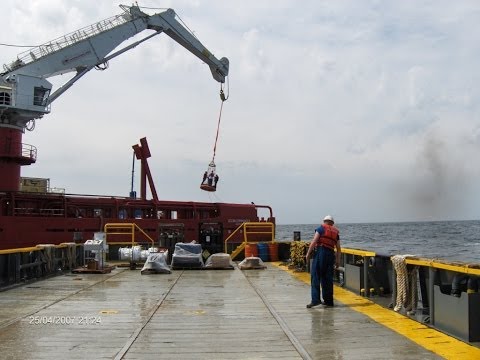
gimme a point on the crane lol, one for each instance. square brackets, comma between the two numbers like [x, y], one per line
[26, 94]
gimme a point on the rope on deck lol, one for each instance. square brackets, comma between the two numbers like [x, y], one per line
[407, 293]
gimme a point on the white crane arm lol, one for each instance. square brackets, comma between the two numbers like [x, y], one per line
[24, 90]
[167, 23]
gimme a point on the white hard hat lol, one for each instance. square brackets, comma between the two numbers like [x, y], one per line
[329, 218]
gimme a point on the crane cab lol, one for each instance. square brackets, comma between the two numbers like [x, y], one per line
[24, 96]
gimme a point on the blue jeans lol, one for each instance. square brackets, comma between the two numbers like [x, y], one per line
[322, 275]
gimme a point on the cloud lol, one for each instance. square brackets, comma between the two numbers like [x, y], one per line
[364, 110]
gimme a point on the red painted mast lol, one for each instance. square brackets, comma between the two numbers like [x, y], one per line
[142, 153]
[13, 154]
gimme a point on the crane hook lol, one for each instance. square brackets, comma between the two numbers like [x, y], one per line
[224, 97]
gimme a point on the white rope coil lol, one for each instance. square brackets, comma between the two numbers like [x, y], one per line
[407, 293]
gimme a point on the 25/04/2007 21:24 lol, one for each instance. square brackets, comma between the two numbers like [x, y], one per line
[64, 320]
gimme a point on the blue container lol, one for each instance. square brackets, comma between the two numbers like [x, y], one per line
[263, 252]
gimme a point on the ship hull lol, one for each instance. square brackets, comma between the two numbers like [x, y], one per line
[30, 219]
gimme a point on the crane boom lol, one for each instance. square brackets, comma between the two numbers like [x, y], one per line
[25, 92]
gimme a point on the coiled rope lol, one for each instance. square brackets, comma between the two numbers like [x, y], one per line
[406, 291]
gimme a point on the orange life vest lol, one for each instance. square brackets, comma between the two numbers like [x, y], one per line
[330, 236]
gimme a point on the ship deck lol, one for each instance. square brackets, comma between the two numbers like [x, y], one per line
[206, 314]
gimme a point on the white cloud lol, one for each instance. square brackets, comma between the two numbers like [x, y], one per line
[334, 107]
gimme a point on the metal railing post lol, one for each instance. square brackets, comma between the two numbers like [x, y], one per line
[431, 300]
[366, 261]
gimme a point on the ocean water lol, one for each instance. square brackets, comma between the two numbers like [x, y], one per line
[447, 240]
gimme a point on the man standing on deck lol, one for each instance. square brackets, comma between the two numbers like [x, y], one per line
[323, 245]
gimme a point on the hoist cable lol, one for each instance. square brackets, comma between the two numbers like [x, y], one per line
[223, 98]
[218, 130]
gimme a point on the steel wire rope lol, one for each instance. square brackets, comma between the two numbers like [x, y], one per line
[223, 98]
[218, 130]
[211, 195]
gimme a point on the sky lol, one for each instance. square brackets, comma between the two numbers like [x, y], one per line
[365, 110]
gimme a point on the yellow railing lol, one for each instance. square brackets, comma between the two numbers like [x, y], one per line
[357, 252]
[125, 229]
[250, 228]
[433, 264]
[470, 269]
[32, 248]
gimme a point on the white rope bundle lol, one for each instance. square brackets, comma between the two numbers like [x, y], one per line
[47, 256]
[407, 294]
[71, 255]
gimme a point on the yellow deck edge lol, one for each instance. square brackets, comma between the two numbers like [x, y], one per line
[429, 338]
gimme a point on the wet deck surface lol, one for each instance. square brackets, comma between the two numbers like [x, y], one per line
[189, 314]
